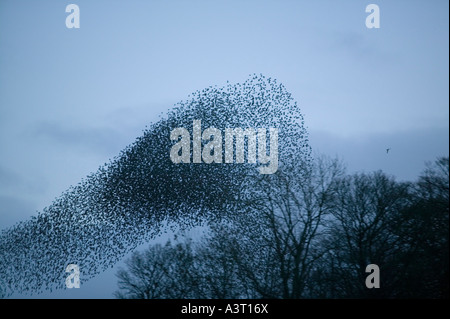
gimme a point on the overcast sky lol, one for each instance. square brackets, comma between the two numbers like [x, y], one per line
[71, 99]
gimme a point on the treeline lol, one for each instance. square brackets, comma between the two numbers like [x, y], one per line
[310, 232]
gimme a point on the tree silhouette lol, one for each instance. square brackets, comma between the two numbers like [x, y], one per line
[364, 209]
[281, 243]
[160, 272]
[401, 227]
[310, 233]
[424, 228]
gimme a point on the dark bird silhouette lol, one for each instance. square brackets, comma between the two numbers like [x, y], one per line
[387, 150]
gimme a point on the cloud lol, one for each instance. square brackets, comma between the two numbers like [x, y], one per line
[362, 47]
[8, 178]
[13, 210]
[96, 139]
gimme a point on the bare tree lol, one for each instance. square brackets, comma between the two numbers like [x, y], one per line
[217, 269]
[278, 243]
[424, 229]
[159, 272]
[365, 208]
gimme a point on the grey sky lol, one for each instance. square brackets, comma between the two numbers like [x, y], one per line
[70, 99]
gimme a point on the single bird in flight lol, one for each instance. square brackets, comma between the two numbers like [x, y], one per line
[387, 150]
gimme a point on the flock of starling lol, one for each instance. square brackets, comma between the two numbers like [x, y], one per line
[127, 201]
